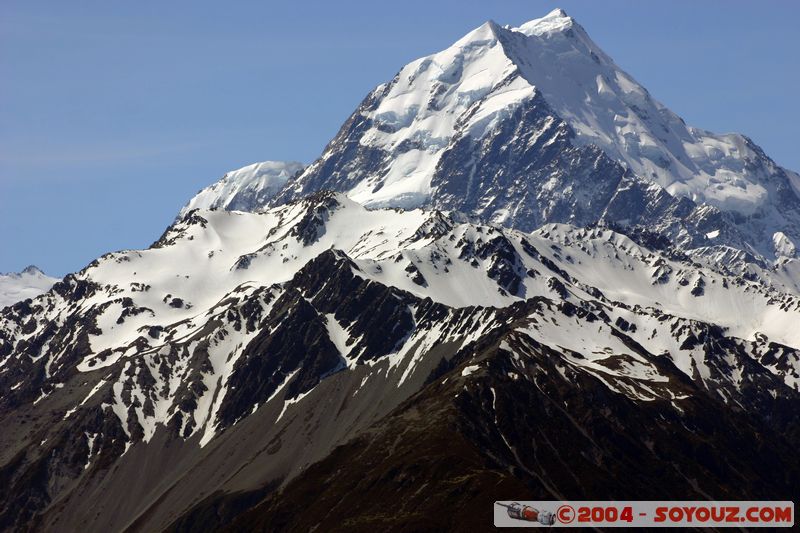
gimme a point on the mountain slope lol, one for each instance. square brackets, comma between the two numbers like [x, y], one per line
[590, 313]
[535, 124]
[608, 108]
[518, 426]
[29, 283]
[242, 348]
[246, 189]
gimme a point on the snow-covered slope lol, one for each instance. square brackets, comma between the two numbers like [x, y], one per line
[607, 107]
[136, 302]
[29, 283]
[571, 252]
[246, 189]
[307, 322]
[535, 124]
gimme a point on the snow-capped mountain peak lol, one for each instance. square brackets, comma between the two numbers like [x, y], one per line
[32, 270]
[235, 321]
[245, 189]
[417, 116]
[574, 261]
[444, 128]
[555, 21]
[607, 107]
[29, 283]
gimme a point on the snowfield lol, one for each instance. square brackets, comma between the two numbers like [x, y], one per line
[213, 259]
[29, 283]
[511, 247]
[450, 117]
[245, 189]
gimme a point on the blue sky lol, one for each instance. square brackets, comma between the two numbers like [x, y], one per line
[113, 114]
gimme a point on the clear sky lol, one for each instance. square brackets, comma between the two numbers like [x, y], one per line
[113, 114]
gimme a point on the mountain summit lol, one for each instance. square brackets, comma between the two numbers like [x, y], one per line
[581, 297]
[246, 189]
[535, 124]
[29, 283]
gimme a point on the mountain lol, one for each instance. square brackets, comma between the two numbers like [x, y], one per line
[536, 124]
[242, 348]
[246, 189]
[480, 291]
[31, 282]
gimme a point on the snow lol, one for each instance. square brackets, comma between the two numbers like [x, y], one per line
[339, 337]
[118, 407]
[234, 247]
[41, 397]
[283, 384]
[90, 438]
[291, 401]
[469, 370]
[381, 244]
[93, 391]
[224, 350]
[556, 56]
[784, 246]
[468, 88]
[245, 189]
[372, 239]
[424, 106]
[744, 308]
[555, 21]
[29, 283]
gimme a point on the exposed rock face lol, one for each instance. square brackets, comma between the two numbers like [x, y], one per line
[530, 125]
[328, 338]
[589, 306]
